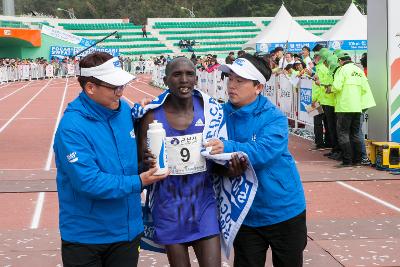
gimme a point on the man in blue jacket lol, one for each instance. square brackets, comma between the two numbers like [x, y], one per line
[277, 217]
[98, 184]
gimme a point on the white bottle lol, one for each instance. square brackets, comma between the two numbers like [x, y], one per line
[156, 143]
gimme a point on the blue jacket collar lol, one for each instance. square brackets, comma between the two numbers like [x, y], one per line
[259, 105]
[91, 109]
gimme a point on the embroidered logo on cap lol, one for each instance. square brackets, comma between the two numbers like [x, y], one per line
[117, 64]
[239, 62]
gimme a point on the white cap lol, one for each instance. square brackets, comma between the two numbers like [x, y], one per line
[245, 69]
[155, 125]
[109, 72]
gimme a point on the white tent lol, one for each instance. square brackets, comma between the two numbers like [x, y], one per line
[350, 32]
[283, 28]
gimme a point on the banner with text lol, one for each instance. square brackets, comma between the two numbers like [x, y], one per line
[61, 51]
[66, 36]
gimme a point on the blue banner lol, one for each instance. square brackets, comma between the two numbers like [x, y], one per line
[305, 98]
[61, 52]
[112, 51]
[349, 45]
[261, 47]
[86, 42]
[292, 47]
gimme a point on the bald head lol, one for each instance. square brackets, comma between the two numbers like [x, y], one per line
[176, 62]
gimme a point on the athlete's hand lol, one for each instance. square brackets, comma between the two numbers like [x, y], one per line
[149, 160]
[237, 166]
[217, 146]
[145, 101]
[149, 177]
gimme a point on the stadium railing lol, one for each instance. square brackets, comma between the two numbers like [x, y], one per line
[279, 90]
[28, 72]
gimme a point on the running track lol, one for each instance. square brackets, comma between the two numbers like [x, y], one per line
[353, 215]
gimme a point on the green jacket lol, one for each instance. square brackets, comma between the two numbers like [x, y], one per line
[319, 91]
[351, 89]
[367, 99]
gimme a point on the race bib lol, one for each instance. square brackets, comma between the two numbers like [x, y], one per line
[184, 154]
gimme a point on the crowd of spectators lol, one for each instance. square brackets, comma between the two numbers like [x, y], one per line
[188, 44]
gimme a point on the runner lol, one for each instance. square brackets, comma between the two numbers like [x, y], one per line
[185, 209]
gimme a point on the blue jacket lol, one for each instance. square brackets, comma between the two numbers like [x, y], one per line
[97, 174]
[260, 130]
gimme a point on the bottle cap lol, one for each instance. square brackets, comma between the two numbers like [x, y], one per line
[155, 125]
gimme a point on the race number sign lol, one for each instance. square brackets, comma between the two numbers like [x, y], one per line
[184, 154]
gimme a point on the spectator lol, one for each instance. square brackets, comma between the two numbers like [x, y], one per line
[144, 31]
[213, 65]
[279, 56]
[363, 62]
[240, 53]
[306, 57]
[180, 44]
[288, 59]
[193, 58]
[230, 58]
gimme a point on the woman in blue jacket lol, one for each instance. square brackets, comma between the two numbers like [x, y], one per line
[277, 217]
[99, 188]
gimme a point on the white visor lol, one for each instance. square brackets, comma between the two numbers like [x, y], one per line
[245, 69]
[109, 72]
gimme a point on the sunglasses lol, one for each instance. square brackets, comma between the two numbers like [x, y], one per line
[116, 89]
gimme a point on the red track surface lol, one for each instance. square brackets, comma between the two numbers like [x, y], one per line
[346, 227]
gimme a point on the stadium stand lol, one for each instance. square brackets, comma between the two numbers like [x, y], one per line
[220, 36]
[210, 35]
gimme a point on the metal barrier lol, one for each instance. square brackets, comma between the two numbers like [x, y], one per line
[291, 96]
[33, 71]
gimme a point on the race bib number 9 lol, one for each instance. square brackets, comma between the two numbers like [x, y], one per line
[184, 154]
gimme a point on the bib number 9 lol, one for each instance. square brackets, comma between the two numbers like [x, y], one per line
[185, 154]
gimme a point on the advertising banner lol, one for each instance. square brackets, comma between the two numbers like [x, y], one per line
[66, 36]
[349, 45]
[61, 51]
[394, 68]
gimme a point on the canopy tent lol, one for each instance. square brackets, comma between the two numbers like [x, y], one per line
[350, 33]
[282, 29]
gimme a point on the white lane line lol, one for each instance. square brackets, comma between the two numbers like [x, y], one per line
[143, 82]
[34, 169]
[127, 99]
[4, 86]
[38, 211]
[141, 90]
[38, 118]
[4, 97]
[21, 109]
[50, 154]
[378, 200]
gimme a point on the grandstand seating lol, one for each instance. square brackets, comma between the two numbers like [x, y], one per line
[213, 35]
[221, 37]
[201, 24]
[130, 41]
[99, 26]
